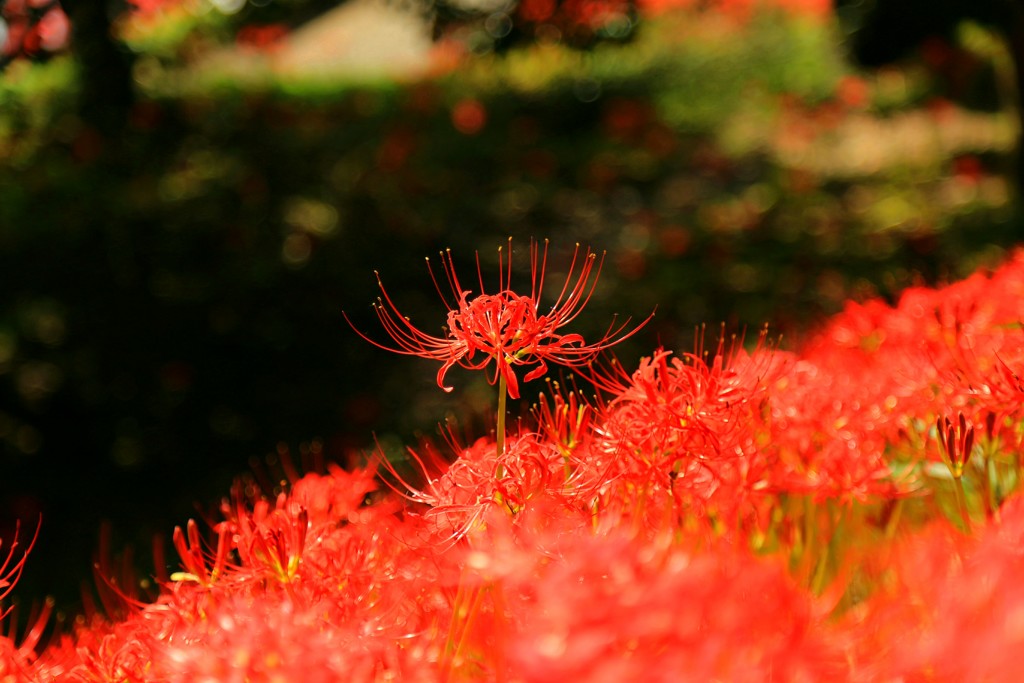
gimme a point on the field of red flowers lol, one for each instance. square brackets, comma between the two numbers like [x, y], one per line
[843, 511]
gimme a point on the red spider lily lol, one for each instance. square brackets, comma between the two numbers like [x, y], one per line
[339, 495]
[272, 542]
[566, 422]
[956, 439]
[456, 496]
[10, 570]
[16, 658]
[696, 415]
[194, 558]
[505, 327]
[691, 422]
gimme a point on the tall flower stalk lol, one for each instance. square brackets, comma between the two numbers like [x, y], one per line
[506, 327]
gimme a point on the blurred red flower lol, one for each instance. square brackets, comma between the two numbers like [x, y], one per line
[469, 116]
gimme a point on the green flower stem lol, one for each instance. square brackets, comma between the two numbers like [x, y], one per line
[990, 473]
[961, 502]
[500, 435]
[829, 548]
[894, 519]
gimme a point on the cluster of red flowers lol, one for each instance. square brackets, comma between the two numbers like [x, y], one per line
[844, 512]
[31, 28]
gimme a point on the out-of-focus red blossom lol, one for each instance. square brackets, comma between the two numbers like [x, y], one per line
[337, 497]
[150, 7]
[536, 11]
[854, 92]
[628, 120]
[950, 607]
[397, 148]
[614, 608]
[29, 34]
[968, 169]
[266, 38]
[469, 116]
[53, 30]
[445, 55]
[576, 21]
[248, 641]
[742, 10]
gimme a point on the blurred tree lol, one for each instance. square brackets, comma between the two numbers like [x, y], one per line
[885, 31]
[106, 89]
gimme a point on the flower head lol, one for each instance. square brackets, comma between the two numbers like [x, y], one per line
[506, 327]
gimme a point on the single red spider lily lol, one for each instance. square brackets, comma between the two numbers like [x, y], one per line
[567, 420]
[505, 327]
[194, 558]
[272, 542]
[956, 439]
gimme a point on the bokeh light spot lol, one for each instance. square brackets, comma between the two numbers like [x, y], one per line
[469, 116]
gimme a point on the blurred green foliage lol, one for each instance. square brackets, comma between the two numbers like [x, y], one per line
[172, 296]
